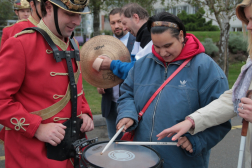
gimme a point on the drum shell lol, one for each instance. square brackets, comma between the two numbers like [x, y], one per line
[85, 163]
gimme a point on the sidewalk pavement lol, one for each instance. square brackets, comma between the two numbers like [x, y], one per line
[100, 129]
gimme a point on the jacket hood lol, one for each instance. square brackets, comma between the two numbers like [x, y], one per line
[192, 48]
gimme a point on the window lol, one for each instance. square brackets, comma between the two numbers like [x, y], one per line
[159, 10]
[174, 11]
[185, 8]
[195, 9]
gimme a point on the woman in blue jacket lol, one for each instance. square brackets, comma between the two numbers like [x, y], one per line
[196, 85]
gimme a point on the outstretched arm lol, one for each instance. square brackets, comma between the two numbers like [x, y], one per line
[180, 128]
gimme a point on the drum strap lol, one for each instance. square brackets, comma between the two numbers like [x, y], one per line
[74, 121]
[58, 55]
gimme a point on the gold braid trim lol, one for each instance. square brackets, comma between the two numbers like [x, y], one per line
[49, 51]
[19, 123]
[57, 107]
[58, 73]
[80, 4]
[23, 32]
[9, 25]
[59, 118]
[22, 20]
[32, 20]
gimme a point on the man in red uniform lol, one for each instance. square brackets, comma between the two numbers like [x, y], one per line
[37, 93]
[22, 9]
[32, 21]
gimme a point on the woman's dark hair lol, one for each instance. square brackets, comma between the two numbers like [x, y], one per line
[167, 17]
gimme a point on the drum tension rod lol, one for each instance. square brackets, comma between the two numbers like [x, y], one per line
[81, 143]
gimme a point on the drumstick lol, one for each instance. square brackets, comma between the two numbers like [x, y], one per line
[112, 140]
[147, 143]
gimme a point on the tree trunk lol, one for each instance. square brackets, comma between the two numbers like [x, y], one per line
[223, 47]
[96, 21]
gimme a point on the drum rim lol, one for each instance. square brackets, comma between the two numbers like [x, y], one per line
[95, 166]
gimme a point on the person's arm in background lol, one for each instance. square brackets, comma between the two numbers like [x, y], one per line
[120, 68]
[217, 112]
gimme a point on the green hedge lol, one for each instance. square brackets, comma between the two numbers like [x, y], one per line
[202, 35]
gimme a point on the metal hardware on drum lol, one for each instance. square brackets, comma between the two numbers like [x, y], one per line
[81, 143]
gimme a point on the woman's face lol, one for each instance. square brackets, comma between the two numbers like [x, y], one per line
[166, 46]
[248, 14]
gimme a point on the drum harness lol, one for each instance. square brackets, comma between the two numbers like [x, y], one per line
[74, 141]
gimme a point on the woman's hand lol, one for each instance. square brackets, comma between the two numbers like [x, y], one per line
[245, 110]
[125, 121]
[185, 144]
[180, 128]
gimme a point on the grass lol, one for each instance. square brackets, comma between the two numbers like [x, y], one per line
[214, 35]
[94, 99]
[234, 71]
[201, 35]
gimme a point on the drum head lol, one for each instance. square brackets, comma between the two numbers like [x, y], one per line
[120, 156]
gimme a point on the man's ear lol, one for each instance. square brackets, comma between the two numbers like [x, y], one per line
[181, 36]
[48, 7]
[16, 12]
[135, 17]
[32, 4]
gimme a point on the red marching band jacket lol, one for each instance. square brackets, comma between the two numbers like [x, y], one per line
[13, 29]
[31, 83]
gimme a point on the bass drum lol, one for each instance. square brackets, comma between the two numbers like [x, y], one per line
[120, 156]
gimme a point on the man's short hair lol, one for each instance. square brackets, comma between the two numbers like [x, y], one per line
[130, 9]
[115, 11]
[42, 7]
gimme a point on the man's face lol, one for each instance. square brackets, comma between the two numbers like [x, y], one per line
[23, 13]
[129, 25]
[67, 22]
[116, 25]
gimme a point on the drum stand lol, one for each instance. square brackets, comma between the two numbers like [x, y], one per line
[79, 145]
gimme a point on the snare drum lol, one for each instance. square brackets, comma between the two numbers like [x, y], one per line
[120, 156]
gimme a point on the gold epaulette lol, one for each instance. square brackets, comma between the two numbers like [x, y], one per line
[9, 25]
[22, 20]
[23, 32]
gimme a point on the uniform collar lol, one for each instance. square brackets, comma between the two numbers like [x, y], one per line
[54, 38]
[32, 20]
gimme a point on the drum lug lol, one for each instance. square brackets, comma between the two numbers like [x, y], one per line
[81, 143]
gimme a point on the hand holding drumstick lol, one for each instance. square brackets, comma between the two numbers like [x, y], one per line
[125, 121]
